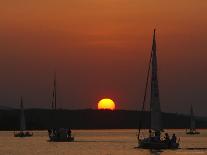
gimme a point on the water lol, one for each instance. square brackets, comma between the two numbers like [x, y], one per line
[97, 142]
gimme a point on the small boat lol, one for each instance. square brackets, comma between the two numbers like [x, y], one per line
[154, 141]
[192, 130]
[22, 132]
[57, 134]
[60, 135]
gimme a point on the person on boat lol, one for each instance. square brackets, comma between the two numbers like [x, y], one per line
[167, 139]
[27, 133]
[150, 133]
[69, 133]
[21, 134]
[49, 132]
[54, 131]
[58, 132]
[157, 136]
[173, 139]
[150, 138]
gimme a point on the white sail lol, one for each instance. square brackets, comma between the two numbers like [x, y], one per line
[22, 117]
[192, 119]
[155, 100]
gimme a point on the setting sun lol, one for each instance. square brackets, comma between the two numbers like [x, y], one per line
[106, 104]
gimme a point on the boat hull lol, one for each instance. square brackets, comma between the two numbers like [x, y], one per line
[58, 139]
[192, 133]
[145, 144]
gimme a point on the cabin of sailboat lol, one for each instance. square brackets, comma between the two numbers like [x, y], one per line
[57, 134]
[154, 141]
[22, 132]
[192, 130]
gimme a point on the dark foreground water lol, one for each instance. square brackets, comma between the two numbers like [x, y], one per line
[97, 142]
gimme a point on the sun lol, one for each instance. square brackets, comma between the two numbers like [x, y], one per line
[106, 104]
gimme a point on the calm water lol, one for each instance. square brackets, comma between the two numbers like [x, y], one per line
[96, 142]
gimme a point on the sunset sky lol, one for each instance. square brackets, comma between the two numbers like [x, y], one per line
[101, 49]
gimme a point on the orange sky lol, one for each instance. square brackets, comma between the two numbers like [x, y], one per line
[101, 49]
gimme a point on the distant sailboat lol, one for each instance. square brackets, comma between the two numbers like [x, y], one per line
[154, 141]
[22, 132]
[58, 134]
[192, 129]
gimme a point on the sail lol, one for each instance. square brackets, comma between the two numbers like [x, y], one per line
[192, 119]
[155, 100]
[22, 117]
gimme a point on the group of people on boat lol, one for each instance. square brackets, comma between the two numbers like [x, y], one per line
[60, 133]
[23, 134]
[169, 141]
[155, 137]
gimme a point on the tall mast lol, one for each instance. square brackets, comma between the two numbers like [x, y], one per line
[54, 93]
[22, 117]
[155, 99]
[192, 119]
[155, 111]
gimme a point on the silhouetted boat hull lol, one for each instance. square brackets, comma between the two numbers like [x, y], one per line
[60, 139]
[146, 144]
[192, 132]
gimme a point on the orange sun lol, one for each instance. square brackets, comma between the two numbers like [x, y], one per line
[106, 104]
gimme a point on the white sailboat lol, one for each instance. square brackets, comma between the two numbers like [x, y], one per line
[154, 141]
[22, 132]
[55, 133]
[192, 130]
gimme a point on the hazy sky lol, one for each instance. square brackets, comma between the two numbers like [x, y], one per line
[101, 49]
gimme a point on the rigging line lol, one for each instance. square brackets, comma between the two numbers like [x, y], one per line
[145, 94]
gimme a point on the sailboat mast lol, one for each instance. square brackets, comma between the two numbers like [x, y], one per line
[54, 94]
[22, 117]
[155, 99]
[192, 119]
[155, 110]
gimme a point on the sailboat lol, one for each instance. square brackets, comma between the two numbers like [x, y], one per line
[154, 141]
[58, 134]
[22, 132]
[192, 129]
